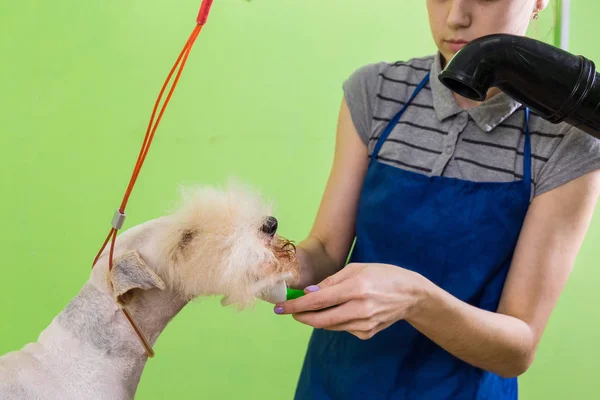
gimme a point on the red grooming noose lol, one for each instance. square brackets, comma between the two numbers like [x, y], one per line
[119, 216]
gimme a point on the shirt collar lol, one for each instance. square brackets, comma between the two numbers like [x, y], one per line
[487, 115]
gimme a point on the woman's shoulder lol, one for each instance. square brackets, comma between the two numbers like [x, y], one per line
[367, 85]
[565, 152]
[396, 71]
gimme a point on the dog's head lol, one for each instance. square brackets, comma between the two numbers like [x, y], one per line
[218, 242]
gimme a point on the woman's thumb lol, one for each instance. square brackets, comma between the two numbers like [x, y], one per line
[335, 279]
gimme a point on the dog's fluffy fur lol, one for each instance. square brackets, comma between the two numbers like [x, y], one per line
[212, 244]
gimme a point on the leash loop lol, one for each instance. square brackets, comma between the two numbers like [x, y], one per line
[119, 217]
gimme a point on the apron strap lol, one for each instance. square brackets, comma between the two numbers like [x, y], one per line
[394, 121]
[527, 151]
[390, 126]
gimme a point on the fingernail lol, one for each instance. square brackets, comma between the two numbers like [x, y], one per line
[278, 310]
[312, 288]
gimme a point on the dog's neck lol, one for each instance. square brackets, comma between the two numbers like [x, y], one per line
[96, 327]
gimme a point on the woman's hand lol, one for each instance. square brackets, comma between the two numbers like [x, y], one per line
[362, 299]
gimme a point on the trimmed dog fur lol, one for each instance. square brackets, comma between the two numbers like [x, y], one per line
[218, 242]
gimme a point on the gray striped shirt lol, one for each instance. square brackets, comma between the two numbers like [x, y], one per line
[437, 137]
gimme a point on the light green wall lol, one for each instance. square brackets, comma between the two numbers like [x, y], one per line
[258, 100]
[566, 366]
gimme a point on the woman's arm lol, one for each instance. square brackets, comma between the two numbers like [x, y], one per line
[326, 248]
[364, 299]
[506, 342]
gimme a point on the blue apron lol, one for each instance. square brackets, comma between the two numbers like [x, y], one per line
[459, 234]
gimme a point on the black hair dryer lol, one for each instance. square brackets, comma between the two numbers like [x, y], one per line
[554, 83]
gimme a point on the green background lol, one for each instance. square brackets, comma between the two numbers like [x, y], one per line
[258, 100]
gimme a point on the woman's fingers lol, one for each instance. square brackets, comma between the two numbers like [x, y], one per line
[321, 299]
[334, 316]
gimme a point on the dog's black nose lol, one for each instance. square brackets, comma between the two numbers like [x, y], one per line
[270, 226]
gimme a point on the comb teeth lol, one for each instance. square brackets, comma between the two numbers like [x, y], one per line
[275, 294]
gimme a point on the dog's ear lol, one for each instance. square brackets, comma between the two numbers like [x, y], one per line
[130, 272]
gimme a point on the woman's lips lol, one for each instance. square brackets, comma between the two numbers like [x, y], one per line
[456, 45]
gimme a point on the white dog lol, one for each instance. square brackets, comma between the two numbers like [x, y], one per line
[219, 242]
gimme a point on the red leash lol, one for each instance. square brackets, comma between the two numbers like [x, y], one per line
[119, 217]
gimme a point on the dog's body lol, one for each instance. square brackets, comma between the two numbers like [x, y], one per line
[217, 244]
[87, 352]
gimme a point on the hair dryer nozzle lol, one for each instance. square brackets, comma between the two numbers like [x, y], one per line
[557, 85]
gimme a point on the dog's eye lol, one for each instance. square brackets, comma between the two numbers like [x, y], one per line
[270, 226]
[186, 238]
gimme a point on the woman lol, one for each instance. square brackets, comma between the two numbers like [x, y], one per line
[467, 219]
